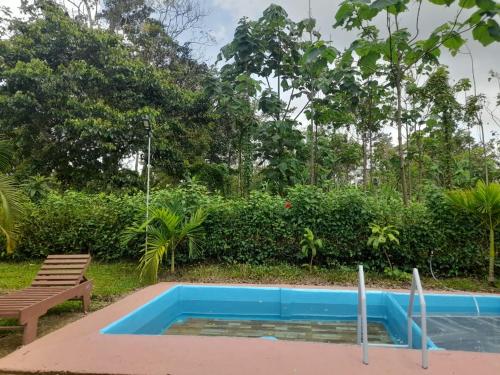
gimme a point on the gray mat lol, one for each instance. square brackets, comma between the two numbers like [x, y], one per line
[474, 333]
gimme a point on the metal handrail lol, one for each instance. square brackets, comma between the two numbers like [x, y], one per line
[416, 285]
[362, 328]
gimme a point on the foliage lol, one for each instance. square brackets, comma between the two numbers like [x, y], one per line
[270, 48]
[37, 187]
[75, 222]
[401, 55]
[483, 202]
[381, 237]
[72, 99]
[310, 246]
[285, 108]
[11, 201]
[11, 212]
[264, 228]
[166, 228]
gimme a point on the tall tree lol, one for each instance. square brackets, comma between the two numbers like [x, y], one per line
[271, 51]
[445, 112]
[72, 99]
[403, 50]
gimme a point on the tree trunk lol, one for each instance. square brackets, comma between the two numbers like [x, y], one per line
[365, 159]
[315, 165]
[240, 167]
[312, 160]
[447, 151]
[420, 158]
[491, 271]
[402, 172]
[172, 260]
[408, 170]
[486, 174]
[388, 259]
[370, 158]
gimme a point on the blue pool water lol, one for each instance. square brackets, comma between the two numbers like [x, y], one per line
[289, 305]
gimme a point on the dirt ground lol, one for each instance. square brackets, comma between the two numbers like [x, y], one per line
[56, 318]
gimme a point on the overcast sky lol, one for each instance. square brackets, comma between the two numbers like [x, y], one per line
[223, 16]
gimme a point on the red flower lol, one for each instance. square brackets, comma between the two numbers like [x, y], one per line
[288, 204]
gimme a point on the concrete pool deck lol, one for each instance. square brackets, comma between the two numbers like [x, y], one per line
[79, 348]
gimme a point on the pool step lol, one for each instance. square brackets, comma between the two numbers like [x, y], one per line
[397, 346]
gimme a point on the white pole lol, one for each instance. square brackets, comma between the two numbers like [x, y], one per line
[363, 322]
[149, 174]
[148, 178]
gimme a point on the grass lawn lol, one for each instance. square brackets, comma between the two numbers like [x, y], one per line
[112, 281]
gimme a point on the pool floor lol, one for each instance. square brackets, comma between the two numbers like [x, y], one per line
[470, 333]
[316, 331]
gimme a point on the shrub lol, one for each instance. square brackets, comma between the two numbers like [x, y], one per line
[78, 223]
[266, 229]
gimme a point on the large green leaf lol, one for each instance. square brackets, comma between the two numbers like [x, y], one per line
[467, 4]
[442, 2]
[453, 42]
[482, 34]
[368, 62]
[494, 29]
[345, 10]
[488, 5]
[382, 4]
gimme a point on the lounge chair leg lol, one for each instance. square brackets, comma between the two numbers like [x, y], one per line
[30, 329]
[86, 302]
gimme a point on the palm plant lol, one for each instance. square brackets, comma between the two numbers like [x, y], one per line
[11, 206]
[310, 244]
[167, 228]
[381, 236]
[483, 202]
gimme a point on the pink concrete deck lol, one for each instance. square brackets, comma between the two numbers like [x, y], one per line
[80, 348]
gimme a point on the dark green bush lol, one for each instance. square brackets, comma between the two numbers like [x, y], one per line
[76, 223]
[264, 228]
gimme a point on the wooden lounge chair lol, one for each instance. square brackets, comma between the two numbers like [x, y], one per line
[61, 278]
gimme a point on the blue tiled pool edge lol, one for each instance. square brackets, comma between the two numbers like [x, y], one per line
[262, 303]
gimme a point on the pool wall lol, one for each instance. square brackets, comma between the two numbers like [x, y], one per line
[454, 304]
[268, 303]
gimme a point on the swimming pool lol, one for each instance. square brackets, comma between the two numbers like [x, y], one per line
[225, 310]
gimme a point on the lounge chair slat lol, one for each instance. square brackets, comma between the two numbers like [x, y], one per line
[9, 313]
[14, 307]
[38, 295]
[61, 266]
[59, 272]
[69, 256]
[57, 277]
[54, 282]
[35, 295]
[34, 291]
[16, 303]
[66, 261]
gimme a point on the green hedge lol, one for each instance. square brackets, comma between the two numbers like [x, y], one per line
[260, 229]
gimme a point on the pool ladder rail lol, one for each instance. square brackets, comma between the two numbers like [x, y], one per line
[362, 326]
